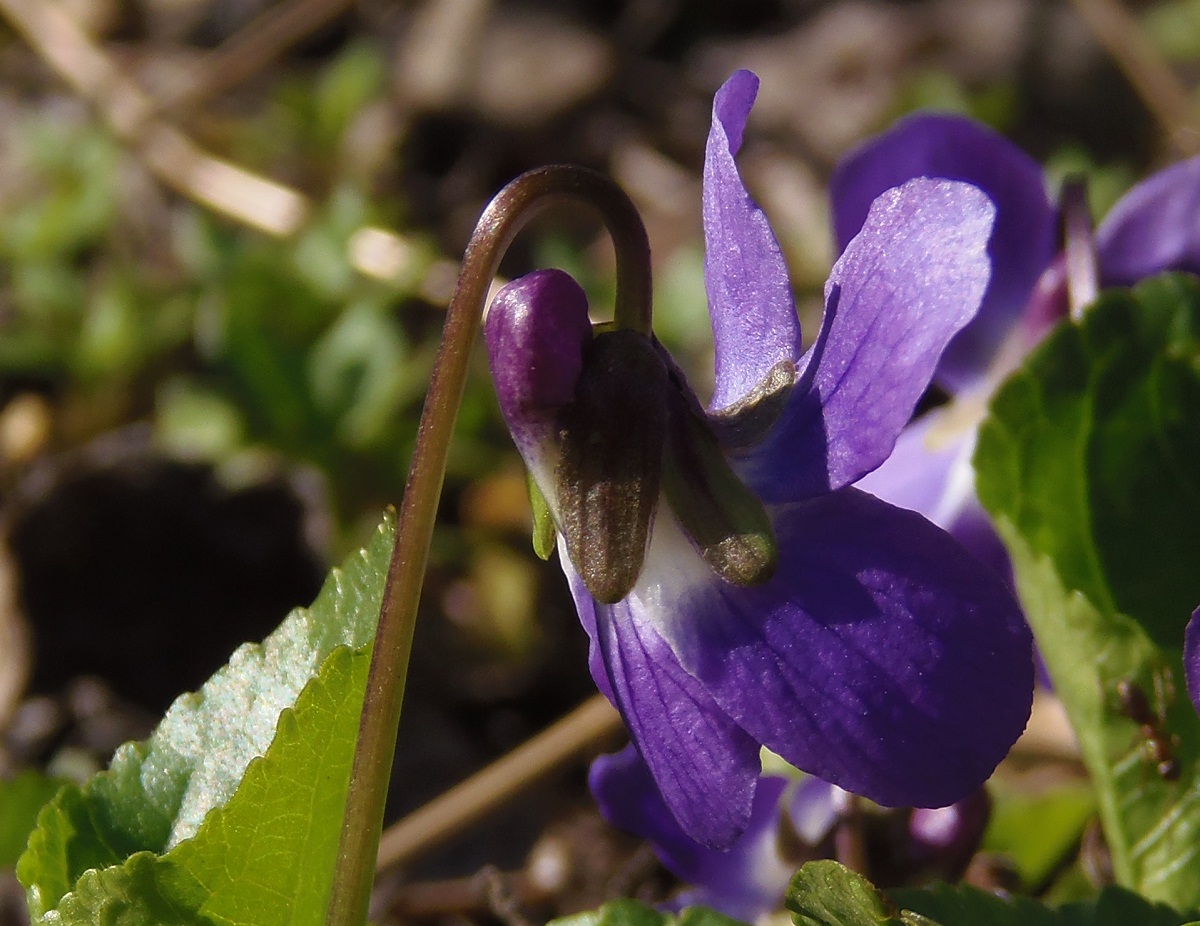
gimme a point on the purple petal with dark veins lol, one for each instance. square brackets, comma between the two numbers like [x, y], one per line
[1191, 657]
[754, 319]
[882, 657]
[910, 280]
[1154, 227]
[536, 331]
[704, 764]
[745, 881]
[955, 148]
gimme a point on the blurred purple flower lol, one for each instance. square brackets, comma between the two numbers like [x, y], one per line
[1191, 657]
[1155, 227]
[878, 654]
[792, 822]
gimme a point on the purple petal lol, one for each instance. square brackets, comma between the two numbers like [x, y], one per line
[754, 319]
[882, 657]
[1153, 228]
[536, 331]
[903, 287]
[1191, 657]
[954, 148]
[744, 882]
[704, 764]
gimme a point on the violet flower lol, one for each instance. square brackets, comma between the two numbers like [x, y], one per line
[738, 592]
[1155, 227]
[743, 882]
[792, 822]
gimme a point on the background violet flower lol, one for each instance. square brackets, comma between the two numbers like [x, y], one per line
[1155, 227]
[793, 822]
[876, 653]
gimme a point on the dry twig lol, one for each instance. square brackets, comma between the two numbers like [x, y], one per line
[581, 731]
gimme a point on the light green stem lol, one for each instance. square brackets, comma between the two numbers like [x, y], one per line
[504, 217]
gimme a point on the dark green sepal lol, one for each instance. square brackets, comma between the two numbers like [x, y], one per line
[724, 519]
[544, 533]
[748, 420]
[612, 437]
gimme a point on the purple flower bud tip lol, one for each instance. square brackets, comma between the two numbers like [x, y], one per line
[536, 332]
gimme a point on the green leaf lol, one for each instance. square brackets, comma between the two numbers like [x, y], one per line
[634, 913]
[231, 811]
[21, 798]
[969, 906]
[1087, 464]
[621, 912]
[827, 894]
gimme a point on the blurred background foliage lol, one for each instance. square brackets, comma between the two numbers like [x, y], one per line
[153, 350]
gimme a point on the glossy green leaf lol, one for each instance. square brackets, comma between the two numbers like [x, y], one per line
[1087, 463]
[828, 894]
[231, 811]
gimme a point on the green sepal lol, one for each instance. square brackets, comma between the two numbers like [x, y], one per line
[612, 436]
[725, 519]
[544, 533]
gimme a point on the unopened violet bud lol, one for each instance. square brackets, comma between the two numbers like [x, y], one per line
[537, 330]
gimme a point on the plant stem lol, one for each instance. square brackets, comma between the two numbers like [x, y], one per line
[504, 217]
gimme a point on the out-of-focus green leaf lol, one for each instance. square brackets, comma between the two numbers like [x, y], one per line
[1036, 831]
[21, 798]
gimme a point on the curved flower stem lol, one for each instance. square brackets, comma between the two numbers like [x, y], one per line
[504, 217]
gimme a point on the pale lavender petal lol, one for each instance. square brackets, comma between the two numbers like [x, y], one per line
[815, 808]
[955, 148]
[930, 472]
[882, 657]
[903, 287]
[536, 331]
[925, 471]
[1191, 657]
[745, 881]
[704, 764]
[754, 319]
[1153, 228]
